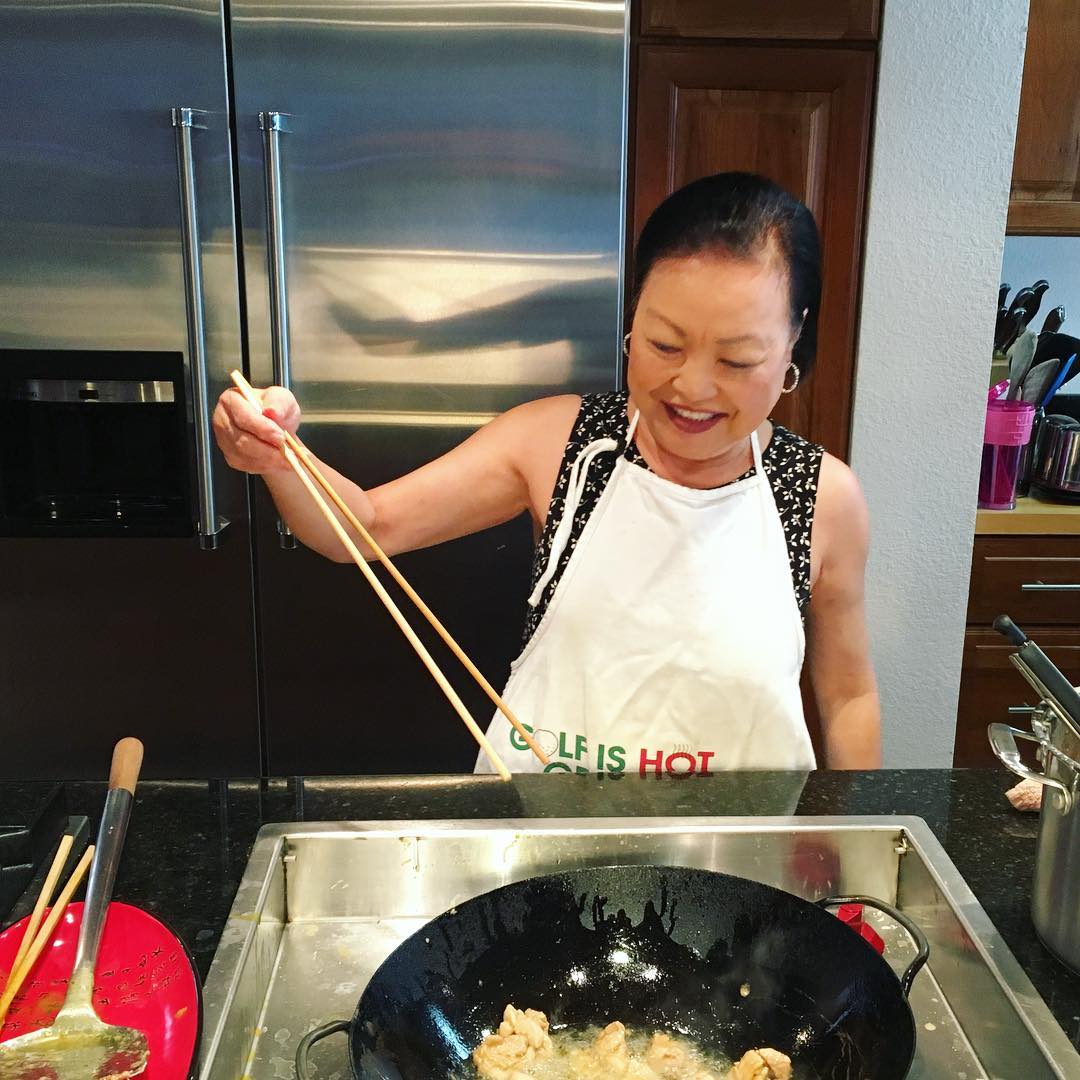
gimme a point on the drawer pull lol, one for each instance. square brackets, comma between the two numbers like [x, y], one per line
[1039, 586]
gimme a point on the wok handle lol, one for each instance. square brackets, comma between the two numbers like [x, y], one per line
[921, 944]
[310, 1039]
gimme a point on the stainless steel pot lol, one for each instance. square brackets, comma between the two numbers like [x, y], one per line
[1055, 727]
[1056, 459]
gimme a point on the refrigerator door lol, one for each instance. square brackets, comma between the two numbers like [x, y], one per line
[119, 235]
[432, 206]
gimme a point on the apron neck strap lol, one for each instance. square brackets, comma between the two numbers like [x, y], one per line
[575, 489]
[755, 447]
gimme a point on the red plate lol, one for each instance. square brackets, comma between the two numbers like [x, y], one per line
[145, 980]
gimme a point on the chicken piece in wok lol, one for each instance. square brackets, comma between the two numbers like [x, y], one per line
[763, 1064]
[522, 1049]
[521, 1040]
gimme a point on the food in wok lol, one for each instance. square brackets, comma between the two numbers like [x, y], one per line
[523, 1048]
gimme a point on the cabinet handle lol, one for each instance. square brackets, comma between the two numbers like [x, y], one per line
[1038, 586]
[210, 527]
[273, 124]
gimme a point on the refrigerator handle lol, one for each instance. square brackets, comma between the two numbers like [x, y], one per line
[273, 124]
[210, 526]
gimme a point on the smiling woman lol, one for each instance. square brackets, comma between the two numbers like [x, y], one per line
[681, 534]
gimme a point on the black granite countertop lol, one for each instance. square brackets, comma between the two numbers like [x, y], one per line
[189, 840]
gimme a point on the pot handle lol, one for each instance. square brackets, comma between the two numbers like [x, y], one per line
[1003, 743]
[921, 944]
[310, 1039]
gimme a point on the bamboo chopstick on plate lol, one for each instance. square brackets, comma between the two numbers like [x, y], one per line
[37, 946]
[58, 864]
[301, 470]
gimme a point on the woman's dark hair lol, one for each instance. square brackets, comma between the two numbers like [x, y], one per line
[740, 214]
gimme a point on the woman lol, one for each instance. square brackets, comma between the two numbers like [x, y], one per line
[682, 534]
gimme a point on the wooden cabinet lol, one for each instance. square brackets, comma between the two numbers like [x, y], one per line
[777, 20]
[1046, 166]
[1027, 578]
[1034, 579]
[798, 115]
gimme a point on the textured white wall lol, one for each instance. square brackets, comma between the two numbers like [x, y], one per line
[944, 131]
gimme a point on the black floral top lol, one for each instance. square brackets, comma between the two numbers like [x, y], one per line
[792, 464]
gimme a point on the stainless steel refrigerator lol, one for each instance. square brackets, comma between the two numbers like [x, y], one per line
[409, 212]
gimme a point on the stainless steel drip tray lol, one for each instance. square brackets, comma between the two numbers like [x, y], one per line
[320, 906]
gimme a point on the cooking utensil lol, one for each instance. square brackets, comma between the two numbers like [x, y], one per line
[1047, 376]
[78, 1044]
[998, 390]
[146, 979]
[1033, 302]
[1003, 293]
[300, 459]
[1060, 379]
[1020, 357]
[1019, 301]
[1054, 319]
[999, 326]
[20, 968]
[1010, 327]
[1055, 727]
[44, 897]
[1054, 347]
[729, 963]
[1056, 470]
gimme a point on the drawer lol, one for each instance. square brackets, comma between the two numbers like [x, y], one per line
[1035, 579]
[776, 20]
[989, 684]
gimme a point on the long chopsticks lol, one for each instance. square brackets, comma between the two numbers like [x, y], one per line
[53, 876]
[30, 950]
[299, 459]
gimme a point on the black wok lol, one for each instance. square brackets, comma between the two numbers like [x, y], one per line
[659, 948]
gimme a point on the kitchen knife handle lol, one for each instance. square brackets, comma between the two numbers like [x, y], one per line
[210, 526]
[1042, 674]
[1007, 628]
[273, 124]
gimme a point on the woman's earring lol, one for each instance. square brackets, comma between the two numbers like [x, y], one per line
[626, 346]
[789, 389]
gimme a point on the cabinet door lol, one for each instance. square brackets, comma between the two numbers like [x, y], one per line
[828, 20]
[799, 116]
[1046, 166]
[989, 685]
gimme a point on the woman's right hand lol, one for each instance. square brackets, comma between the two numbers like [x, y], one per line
[251, 441]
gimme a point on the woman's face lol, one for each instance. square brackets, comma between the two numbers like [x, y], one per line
[709, 349]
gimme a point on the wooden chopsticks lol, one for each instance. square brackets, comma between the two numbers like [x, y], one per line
[299, 459]
[32, 946]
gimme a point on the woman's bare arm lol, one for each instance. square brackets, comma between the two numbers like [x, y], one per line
[839, 649]
[505, 467]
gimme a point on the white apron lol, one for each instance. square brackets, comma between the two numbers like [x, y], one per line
[673, 642]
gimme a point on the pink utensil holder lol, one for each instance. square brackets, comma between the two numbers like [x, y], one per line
[1008, 429]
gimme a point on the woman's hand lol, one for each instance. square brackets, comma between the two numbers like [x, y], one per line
[251, 441]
